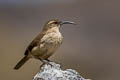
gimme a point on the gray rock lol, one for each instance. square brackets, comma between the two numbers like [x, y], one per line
[53, 71]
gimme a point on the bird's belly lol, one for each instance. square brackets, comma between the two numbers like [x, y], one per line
[51, 47]
[52, 43]
[46, 49]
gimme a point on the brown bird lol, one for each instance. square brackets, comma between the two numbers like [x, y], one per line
[45, 44]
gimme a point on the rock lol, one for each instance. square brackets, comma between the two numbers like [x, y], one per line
[53, 71]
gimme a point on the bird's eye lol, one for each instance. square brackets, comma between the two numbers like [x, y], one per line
[55, 22]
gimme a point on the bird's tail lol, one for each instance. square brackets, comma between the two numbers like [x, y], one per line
[21, 62]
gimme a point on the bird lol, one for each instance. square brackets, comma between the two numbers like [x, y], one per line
[45, 43]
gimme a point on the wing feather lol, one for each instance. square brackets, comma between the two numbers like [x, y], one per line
[34, 43]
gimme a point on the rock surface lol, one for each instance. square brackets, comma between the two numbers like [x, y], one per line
[53, 71]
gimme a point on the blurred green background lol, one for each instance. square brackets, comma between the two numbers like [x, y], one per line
[92, 47]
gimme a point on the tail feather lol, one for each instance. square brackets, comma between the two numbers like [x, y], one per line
[21, 62]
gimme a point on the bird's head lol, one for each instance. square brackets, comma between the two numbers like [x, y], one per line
[56, 23]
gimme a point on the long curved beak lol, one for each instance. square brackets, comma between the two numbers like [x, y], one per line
[67, 22]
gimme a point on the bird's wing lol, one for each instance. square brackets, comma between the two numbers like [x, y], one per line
[34, 43]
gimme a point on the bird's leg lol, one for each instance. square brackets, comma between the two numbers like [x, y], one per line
[45, 61]
[48, 60]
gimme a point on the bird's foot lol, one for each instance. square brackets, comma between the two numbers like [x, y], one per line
[46, 61]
